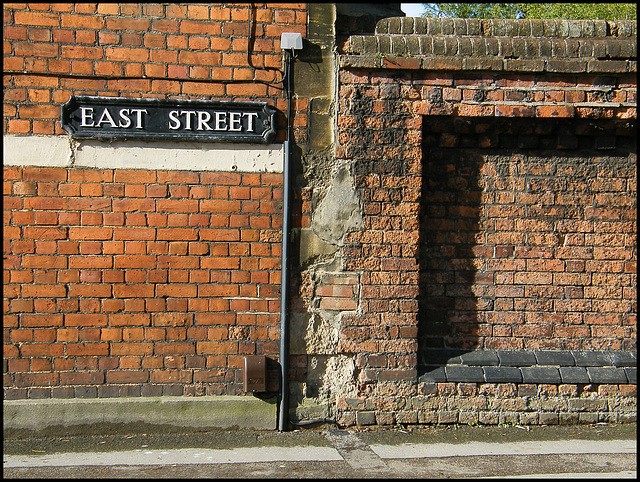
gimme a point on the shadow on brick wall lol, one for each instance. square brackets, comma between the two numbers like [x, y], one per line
[449, 225]
[505, 262]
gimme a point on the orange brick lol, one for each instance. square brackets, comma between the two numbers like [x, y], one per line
[171, 376]
[99, 233]
[121, 54]
[205, 28]
[132, 349]
[41, 320]
[130, 363]
[19, 365]
[124, 23]
[515, 111]
[43, 127]
[216, 347]
[199, 58]
[15, 95]
[86, 37]
[41, 19]
[165, 25]
[127, 377]
[16, 33]
[87, 349]
[90, 291]
[39, 111]
[108, 8]
[44, 291]
[67, 334]
[175, 348]
[152, 10]
[18, 126]
[555, 111]
[74, 21]
[47, 349]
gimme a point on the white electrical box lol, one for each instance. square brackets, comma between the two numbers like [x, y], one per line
[291, 40]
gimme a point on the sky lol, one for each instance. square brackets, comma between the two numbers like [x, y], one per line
[412, 9]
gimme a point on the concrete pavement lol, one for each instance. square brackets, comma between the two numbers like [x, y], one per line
[327, 452]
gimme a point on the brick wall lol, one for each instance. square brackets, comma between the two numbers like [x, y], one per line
[52, 51]
[522, 245]
[499, 203]
[153, 282]
[139, 282]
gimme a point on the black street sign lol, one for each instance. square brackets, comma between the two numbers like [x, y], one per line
[195, 120]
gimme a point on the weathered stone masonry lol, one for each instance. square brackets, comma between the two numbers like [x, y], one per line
[464, 215]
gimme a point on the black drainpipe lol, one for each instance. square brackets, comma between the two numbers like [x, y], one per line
[284, 286]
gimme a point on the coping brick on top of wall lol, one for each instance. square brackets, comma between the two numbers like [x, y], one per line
[562, 46]
[507, 27]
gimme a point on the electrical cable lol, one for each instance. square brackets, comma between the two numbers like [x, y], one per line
[250, 40]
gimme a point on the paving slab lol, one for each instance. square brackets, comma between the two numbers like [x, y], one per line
[409, 451]
[177, 456]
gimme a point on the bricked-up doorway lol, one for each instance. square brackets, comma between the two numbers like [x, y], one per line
[527, 235]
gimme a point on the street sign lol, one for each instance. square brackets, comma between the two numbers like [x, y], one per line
[158, 119]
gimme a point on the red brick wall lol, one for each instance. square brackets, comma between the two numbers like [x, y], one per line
[150, 282]
[513, 252]
[52, 51]
[481, 237]
[138, 282]
[528, 234]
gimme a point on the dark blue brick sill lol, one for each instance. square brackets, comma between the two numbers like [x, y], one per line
[529, 366]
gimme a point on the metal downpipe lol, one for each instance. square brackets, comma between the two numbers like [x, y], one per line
[284, 279]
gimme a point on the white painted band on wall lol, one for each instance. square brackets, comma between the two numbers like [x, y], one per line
[62, 151]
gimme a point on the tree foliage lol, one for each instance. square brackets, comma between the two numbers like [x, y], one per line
[569, 11]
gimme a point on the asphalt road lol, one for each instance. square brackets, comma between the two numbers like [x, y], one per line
[327, 452]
